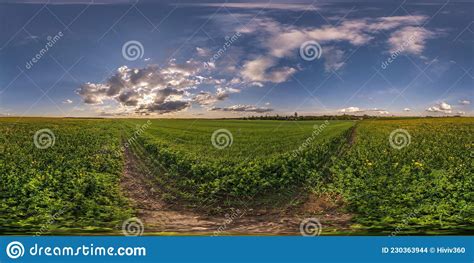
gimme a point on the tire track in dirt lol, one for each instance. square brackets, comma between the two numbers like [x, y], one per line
[162, 218]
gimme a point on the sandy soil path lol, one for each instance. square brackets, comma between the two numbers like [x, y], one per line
[161, 218]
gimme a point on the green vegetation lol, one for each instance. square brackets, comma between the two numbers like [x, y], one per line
[74, 182]
[250, 139]
[265, 157]
[426, 184]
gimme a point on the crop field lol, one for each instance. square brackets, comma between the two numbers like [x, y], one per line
[70, 175]
[391, 176]
[244, 140]
[422, 179]
[245, 159]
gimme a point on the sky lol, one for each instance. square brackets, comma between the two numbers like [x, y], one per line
[230, 59]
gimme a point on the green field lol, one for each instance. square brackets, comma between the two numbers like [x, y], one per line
[251, 140]
[76, 179]
[425, 185]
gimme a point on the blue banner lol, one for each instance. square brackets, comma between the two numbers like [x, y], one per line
[236, 249]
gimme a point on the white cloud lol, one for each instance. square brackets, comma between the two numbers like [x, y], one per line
[359, 110]
[155, 89]
[263, 70]
[410, 40]
[282, 41]
[206, 98]
[257, 6]
[442, 107]
[334, 59]
[67, 101]
[464, 102]
[243, 108]
[149, 89]
[257, 84]
[350, 110]
[391, 22]
[235, 81]
[203, 52]
[407, 109]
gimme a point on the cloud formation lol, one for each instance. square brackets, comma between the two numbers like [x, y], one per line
[359, 110]
[243, 108]
[263, 70]
[442, 107]
[282, 41]
[410, 39]
[171, 88]
[206, 98]
[158, 90]
[267, 5]
[150, 89]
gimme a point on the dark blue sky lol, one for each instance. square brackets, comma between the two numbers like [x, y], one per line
[68, 58]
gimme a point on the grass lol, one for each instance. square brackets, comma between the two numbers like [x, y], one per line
[251, 139]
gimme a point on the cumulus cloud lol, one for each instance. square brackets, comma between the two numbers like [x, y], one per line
[149, 89]
[464, 102]
[67, 101]
[359, 110]
[243, 108]
[406, 109]
[154, 89]
[442, 107]
[164, 107]
[264, 69]
[207, 98]
[350, 110]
